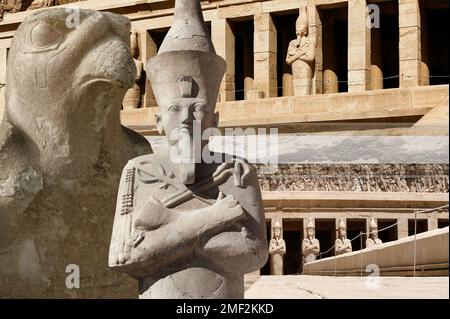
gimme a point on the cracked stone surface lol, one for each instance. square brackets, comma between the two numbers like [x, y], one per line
[323, 287]
[62, 149]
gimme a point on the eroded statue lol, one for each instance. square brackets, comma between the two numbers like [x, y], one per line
[373, 239]
[310, 244]
[301, 55]
[277, 250]
[186, 228]
[62, 150]
[132, 99]
[342, 244]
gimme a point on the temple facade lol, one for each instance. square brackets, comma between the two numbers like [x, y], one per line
[316, 68]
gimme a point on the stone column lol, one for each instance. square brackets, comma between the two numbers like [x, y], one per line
[402, 228]
[3, 55]
[224, 43]
[368, 228]
[432, 223]
[358, 47]
[424, 56]
[315, 28]
[148, 49]
[265, 47]
[409, 46]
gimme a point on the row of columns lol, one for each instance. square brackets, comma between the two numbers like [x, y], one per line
[402, 224]
[265, 52]
[360, 68]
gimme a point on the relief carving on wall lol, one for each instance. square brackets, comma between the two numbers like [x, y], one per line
[420, 178]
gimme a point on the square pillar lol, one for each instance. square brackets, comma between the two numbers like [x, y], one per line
[265, 48]
[315, 28]
[224, 43]
[402, 228]
[3, 56]
[410, 43]
[359, 46]
[432, 223]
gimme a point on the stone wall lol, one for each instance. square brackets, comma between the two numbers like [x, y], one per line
[421, 178]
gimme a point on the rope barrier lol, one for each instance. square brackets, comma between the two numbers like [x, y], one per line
[390, 226]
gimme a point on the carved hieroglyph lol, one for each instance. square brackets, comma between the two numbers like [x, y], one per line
[132, 99]
[373, 239]
[188, 229]
[301, 55]
[62, 149]
[310, 244]
[343, 244]
[277, 249]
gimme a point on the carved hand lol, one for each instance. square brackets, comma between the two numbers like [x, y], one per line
[228, 207]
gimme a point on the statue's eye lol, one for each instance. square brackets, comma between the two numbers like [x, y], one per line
[174, 108]
[44, 35]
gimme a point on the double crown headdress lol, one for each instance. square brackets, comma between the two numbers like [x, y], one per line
[186, 64]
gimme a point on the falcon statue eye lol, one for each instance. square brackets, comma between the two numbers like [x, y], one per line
[44, 35]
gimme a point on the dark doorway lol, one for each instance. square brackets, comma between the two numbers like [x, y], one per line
[293, 236]
[422, 226]
[385, 38]
[434, 40]
[286, 32]
[442, 223]
[265, 271]
[158, 36]
[335, 49]
[244, 61]
[354, 228]
[389, 234]
[326, 234]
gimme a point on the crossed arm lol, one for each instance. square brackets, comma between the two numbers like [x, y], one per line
[306, 53]
[222, 234]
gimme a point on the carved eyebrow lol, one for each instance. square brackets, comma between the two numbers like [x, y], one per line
[173, 107]
[200, 105]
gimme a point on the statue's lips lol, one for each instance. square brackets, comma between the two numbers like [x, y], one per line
[111, 62]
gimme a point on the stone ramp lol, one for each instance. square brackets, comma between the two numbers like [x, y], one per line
[322, 287]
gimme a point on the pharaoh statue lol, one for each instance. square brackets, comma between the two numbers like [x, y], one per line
[343, 244]
[310, 244]
[277, 249]
[373, 239]
[301, 55]
[132, 98]
[188, 224]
